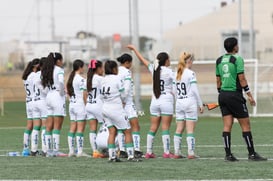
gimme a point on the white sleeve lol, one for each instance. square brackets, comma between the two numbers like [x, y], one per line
[61, 83]
[196, 94]
[121, 90]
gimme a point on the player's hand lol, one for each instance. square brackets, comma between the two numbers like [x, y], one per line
[201, 109]
[251, 101]
[131, 47]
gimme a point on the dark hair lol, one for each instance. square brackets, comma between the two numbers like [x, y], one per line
[48, 68]
[29, 68]
[91, 72]
[42, 62]
[162, 58]
[77, 64]
[109, 67]
[125, 58]
[230, 43]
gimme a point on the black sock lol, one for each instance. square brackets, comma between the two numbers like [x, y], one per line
[226, 139]
[249, 142]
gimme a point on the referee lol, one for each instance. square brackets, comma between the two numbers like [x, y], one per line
[231, 81]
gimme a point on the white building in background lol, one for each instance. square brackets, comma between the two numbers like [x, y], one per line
[203, 36]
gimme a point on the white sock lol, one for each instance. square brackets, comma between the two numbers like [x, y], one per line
[130, 150]
[92, 139]
[48, 137]
[150, 142]
[177, 139]
[71, 142]
[80, 140]
[26, 140]
[35, 139]
[191, 144]
[136, 140]
[56, 140]
[121, 141]
[43, 138]
[166, 141]
[112, 151]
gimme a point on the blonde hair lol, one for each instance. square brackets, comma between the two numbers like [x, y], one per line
[182, 64]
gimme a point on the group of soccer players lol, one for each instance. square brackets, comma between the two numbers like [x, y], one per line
[105, 100]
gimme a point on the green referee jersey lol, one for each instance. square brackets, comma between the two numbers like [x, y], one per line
[227, 68]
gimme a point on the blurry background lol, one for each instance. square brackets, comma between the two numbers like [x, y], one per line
[101, 29]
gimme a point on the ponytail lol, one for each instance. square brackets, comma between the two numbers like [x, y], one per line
[182, 64]
[47, 71]
[160, 61]
[27, 71]
[77, 64]
[69, 85]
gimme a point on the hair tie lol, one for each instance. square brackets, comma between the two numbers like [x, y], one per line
[92, 64]
[156, 63]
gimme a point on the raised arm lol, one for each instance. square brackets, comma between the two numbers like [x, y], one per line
[139, 56]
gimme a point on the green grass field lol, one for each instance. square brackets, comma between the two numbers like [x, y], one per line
[210, 166]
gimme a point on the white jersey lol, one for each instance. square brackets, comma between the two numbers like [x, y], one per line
[186, 88]
[126, 76]
[94, 95]
[112, 90]
[58, 80]
[29, 87]
[39, 91]
[79, 85]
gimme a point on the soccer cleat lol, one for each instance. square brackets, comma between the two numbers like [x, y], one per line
[193, 156]
[43, 154]
[71, 154]
[49, 154]
[138, 154]
[97, 154]
[82, 155]
[34, 153]
[231, 158]
[133, 159]
[256, 157]
[25, 152]
[123, 154]
[114, 160]
[149, 155]
[178, 156]
[167, 155]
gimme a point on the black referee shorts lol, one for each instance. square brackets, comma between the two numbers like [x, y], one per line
[233, 103]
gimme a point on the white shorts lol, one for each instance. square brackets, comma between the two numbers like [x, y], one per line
[77, 112]
[162, 107]
[114, 115]
[55, 104]
[94, 112]
[131, 111]
[186, 109]
[39, 109]
[29, 110]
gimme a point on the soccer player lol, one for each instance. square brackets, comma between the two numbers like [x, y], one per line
[76, 90]
[162, 104]
[188, 101]
[53, 79]
[94, 103]
[114, 115]
[126, 76]
[28, 76]
[230, 81]
[39, 112]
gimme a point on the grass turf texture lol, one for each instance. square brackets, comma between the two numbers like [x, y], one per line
[209, 147]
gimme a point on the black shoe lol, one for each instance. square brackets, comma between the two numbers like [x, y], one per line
[114, 160]
[123, 154]
[34, 153]
[138, 154]
[256, 157]
[231, 158]
[134, 159]
[43, 154]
